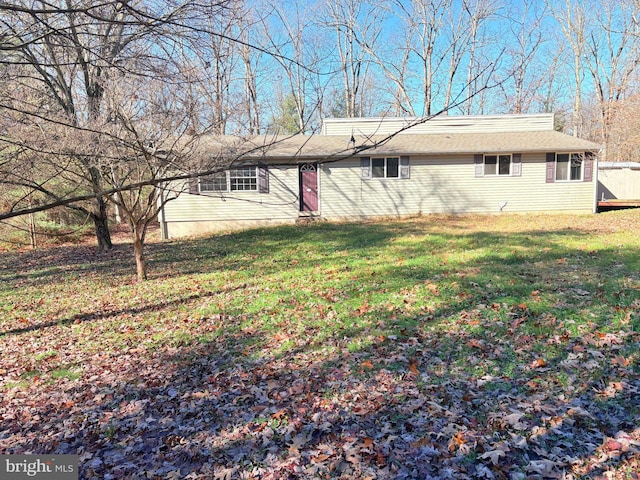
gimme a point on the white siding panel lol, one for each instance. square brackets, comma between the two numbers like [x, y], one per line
[442, 124]
[448, 185]
[618, 183]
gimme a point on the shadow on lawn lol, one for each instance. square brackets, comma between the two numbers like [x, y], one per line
[174, 258]
[420, 401]
[42, 265]
[220, 411]
[263, 248]
[236, 251]
[107, 314]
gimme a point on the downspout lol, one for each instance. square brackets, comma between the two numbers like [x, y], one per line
[164, 233]
[596, 181]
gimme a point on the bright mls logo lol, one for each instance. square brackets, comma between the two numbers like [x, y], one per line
[44, 467]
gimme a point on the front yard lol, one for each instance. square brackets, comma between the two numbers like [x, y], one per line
[499, 347]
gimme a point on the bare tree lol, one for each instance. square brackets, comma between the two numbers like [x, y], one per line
[458, 37]
[98, 108]
[68, 51]
[394, 61]
[63, 50]
[288, 29]
[526, 74]
[215, 56]
[148, 138]
[357, 26]
[613, 58]
[425, 23]
[477, 13]
[250, 61]
[571, 17]
[624, 134]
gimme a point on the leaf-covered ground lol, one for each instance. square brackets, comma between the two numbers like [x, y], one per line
[499, 347]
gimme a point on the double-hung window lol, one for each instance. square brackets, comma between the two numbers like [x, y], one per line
[242, 179]
[234, 180]
[214, 183]
[568, 167]
[497, 164]
[385, 167]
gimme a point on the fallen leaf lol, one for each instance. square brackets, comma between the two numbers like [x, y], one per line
[225, 473]
[279, 414]
[457, 441]
[546, 468]
[620, 361]
[433, 288]
[413, 368]
[298, 442]
[612, 445]
[538, 363]
[475, 343]
[493, 455]
[368, 364]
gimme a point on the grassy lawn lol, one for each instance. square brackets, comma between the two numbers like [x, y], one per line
[499, 347]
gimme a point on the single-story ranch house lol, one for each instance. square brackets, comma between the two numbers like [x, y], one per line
[361, 168]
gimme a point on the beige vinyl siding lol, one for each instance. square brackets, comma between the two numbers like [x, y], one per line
[448, 184]
[220, 210]
[619, 183]
[442, 124]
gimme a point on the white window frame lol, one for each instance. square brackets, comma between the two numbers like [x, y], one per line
[242, 176]
[571, 156]
[385, 175]
[497, 164]
[212, 183]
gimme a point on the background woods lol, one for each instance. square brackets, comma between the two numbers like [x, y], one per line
[92, 97]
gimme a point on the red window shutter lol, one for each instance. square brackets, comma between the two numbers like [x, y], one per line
[588, 167]
[551, 167]
[478, 160]
[516, 165]
[263, 179]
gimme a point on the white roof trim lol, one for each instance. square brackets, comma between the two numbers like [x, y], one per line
[618, 165]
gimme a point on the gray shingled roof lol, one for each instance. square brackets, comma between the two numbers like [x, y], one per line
[292, 149]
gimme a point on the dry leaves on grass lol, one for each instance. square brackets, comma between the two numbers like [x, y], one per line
[482, 387]
[141, 415]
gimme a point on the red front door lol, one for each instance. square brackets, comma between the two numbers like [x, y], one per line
[309, 187]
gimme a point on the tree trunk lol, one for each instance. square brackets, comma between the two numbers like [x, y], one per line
[99, 214]
[141, 261]
[32, 226]
[101, 223]
[32, 231]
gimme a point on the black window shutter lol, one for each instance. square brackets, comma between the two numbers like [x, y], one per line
[551, 167]
[478, 160]
[588, 167]
[193, 186]
[263, 178]
[365, 167]
[516, 166]
[405, 167]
